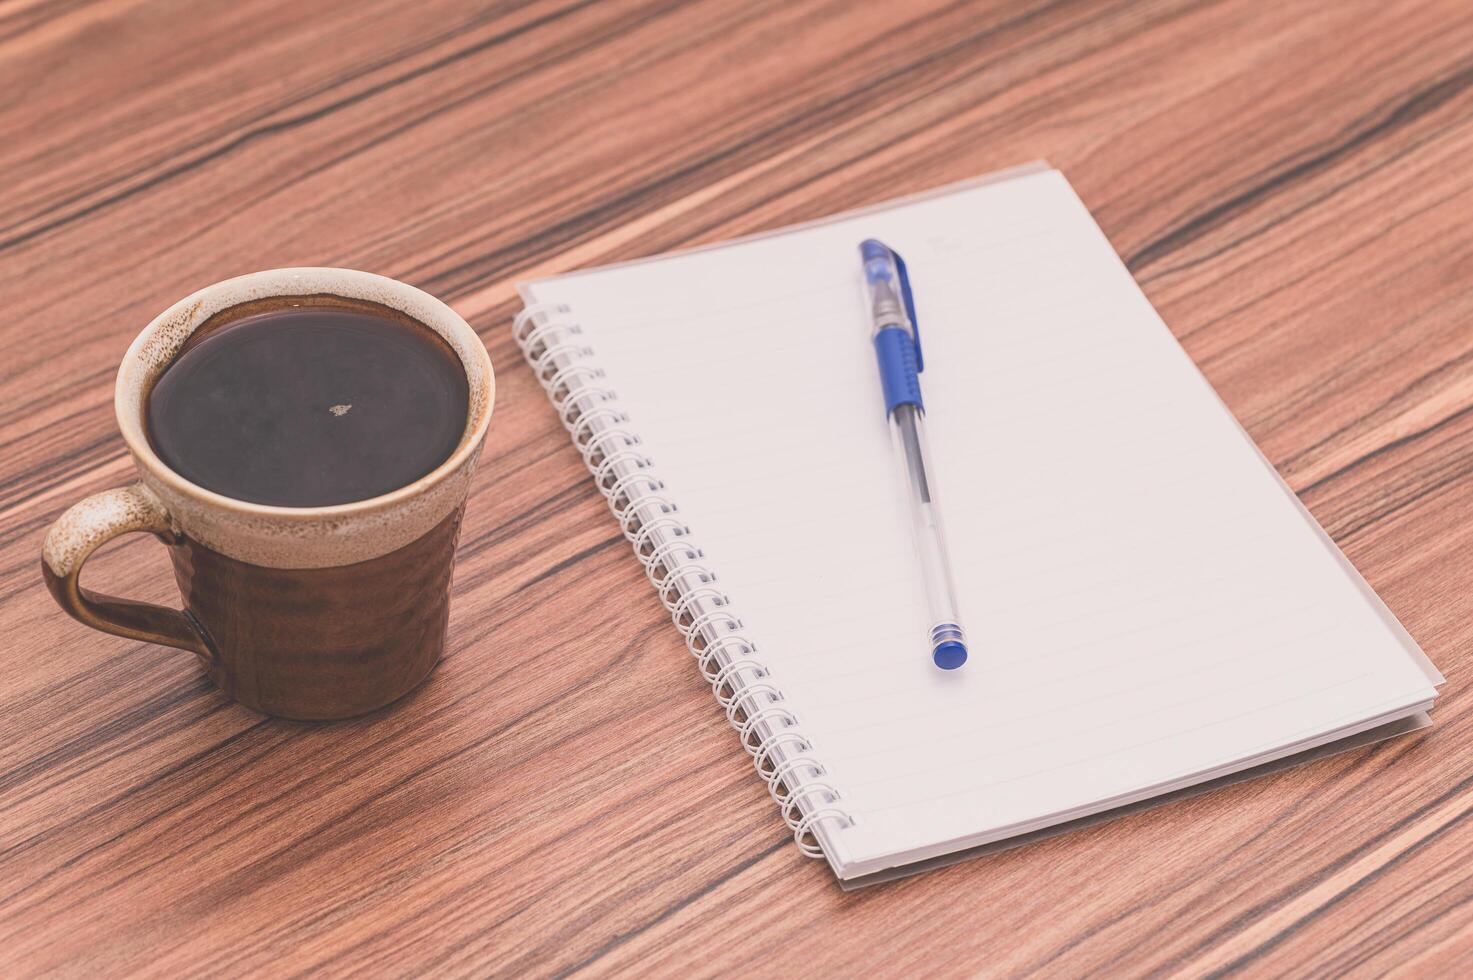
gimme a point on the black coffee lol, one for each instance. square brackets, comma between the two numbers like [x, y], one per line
[310, 405]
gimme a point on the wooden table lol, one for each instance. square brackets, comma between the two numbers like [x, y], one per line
[1289, 181]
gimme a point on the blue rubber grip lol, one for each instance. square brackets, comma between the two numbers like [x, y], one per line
[898, 370]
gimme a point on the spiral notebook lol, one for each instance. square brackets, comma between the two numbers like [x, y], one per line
[1150, 608]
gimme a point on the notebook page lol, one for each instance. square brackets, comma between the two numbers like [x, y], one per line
[1144, 599]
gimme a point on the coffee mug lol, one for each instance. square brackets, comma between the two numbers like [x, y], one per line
[310, 613]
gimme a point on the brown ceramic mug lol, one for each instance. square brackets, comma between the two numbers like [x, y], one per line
[302, 612]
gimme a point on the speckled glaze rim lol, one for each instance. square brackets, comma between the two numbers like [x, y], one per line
[303, 537]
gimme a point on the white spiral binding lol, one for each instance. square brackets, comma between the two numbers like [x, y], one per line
[744, 686]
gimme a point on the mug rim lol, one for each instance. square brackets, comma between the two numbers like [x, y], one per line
[185, 316]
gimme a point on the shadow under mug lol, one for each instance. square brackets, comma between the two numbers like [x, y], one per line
[311, 613]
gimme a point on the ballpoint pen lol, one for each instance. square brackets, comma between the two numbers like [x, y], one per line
[897, 342]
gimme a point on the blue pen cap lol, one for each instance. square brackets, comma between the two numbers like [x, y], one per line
[888, 293]
[878, 253]
[882, 285]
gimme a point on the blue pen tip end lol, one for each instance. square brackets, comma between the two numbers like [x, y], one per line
[872, 248]
[949, 655]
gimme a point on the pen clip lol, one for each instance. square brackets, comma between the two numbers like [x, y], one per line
[910, 306]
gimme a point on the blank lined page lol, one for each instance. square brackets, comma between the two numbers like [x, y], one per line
[1147, 603]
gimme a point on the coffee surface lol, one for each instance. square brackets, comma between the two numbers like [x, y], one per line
[309, 406]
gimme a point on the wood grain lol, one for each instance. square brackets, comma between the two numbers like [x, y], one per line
[1289, 181]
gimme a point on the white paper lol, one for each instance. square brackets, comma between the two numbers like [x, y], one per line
[1145, 600]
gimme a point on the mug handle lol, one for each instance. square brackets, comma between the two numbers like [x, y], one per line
[86, 526]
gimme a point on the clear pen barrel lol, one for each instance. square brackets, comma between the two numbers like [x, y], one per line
[908, 432]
